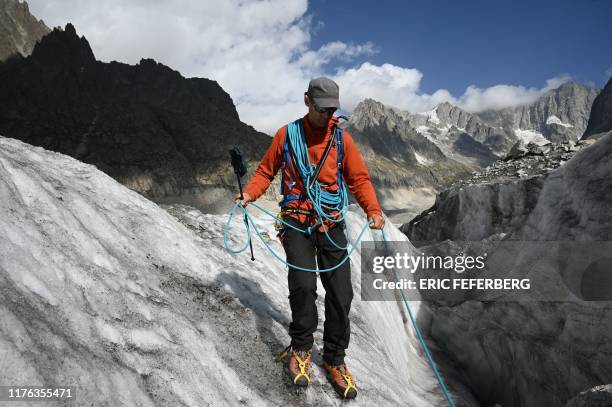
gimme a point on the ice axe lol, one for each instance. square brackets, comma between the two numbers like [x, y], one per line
[240, 170]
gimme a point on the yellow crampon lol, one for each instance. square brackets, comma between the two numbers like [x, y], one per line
[349, 383]
[301, 364]
[282, 355]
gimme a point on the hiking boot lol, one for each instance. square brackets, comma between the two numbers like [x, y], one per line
[299, 365]
[341, 380]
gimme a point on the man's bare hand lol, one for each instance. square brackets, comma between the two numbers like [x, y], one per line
[378, 222]
[246, 198]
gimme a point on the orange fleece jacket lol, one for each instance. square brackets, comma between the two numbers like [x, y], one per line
[354, 170]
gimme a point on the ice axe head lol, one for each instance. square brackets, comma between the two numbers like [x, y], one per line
[238, 162]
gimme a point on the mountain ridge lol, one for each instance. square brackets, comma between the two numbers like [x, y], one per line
[19, 30]
[146, 125]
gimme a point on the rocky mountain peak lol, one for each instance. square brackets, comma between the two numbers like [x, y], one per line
[450, 114]
[19, 30]
[572, 87]
[446, 106]
[371, 107]
[371, 112]
[65, 47]
[145, 125]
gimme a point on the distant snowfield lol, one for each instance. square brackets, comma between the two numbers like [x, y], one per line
[422, 160]
[555, 120]
[432, 116]
[102, 289]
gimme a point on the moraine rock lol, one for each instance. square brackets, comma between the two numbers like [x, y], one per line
[539, 353]
[598, 396]
[520, 149]
[496, 199]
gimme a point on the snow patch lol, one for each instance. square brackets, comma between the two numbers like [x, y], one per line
[432, 116]
[147, 340]
[421, 159]
[555, 120]
[531, 136]
[434, 134]
[109, 332]
[423, 129]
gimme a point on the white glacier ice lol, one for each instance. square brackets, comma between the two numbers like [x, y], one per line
[105, 290]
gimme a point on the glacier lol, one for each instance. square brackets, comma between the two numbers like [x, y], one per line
[138, 305]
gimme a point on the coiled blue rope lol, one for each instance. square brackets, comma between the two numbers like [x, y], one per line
[323, 201]
[274, 253]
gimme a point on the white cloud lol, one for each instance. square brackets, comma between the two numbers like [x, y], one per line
[608, 73]
[260, 52]
[500, 96]
[399, 87]
[389, 84]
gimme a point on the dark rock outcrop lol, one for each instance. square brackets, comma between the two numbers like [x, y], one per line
[475, 212]
[19, 30]
[600, 121]
[528, 353]
[145, 125]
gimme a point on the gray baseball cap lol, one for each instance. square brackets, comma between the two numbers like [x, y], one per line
[324, 92]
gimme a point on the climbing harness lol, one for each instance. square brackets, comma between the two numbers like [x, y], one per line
[252, 224]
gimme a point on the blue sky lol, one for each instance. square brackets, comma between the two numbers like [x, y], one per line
[460, 43]
[412, 56]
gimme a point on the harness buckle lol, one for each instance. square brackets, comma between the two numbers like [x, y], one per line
[278, 222]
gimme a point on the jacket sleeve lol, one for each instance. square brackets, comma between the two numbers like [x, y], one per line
[357, 177]
[268, 167]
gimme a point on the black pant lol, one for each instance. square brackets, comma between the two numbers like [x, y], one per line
[301, 250]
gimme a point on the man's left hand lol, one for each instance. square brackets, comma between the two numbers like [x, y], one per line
[378, 221]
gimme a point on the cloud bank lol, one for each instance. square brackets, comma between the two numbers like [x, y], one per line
[260, 52]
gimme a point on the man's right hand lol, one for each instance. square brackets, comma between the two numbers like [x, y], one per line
[378, 221]
[246, 198]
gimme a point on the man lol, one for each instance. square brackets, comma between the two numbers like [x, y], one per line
[318, 125]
